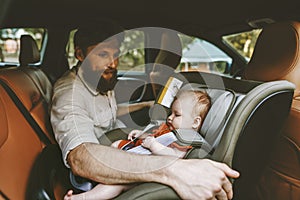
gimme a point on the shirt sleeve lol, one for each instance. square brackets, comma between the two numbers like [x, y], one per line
[71, 123]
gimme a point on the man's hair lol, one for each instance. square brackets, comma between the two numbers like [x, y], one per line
[202, 101]
[96, 32]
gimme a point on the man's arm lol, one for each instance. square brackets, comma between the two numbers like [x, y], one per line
[126, 108]
[191, 179]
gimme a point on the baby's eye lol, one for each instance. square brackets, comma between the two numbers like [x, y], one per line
[177, 115]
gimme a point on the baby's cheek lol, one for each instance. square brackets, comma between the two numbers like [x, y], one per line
[176, 123]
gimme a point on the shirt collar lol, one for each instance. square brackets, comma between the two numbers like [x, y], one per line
[86, 84]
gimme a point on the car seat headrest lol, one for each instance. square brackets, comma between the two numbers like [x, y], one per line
[276, 54]
[222, 102]
[166, 61]
[170, 49]
[3, 124]
[29, 52]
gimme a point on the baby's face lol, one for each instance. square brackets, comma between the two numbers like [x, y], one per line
[182, 113]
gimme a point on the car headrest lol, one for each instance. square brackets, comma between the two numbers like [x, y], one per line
[29, 52]
[170, 50]
[166, 61]
[276, 55]
[3, 124]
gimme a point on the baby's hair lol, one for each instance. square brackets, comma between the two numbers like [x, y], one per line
[202, 101]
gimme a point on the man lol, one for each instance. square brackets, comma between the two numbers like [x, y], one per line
[84, 108]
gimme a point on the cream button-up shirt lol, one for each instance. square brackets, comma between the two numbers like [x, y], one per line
[79, 113]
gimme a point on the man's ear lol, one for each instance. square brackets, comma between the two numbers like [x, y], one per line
[79, 54]
[197, 122]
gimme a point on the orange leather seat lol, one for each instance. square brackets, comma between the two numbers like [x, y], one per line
[19, 143]
[277, 57]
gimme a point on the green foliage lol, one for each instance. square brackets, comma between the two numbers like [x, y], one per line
[244, 42]
[132, 51]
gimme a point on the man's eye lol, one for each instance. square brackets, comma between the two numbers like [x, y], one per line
[103, 54]
[116, 55]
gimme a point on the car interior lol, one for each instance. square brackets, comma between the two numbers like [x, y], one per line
[252, 125]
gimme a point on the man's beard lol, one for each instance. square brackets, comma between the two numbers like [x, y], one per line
[104, 85]
[101, 84]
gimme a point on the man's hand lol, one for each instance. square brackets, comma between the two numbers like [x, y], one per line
[202, 179]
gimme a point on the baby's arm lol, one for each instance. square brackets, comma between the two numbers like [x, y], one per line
[137, 134]
[158, 149]
[134, 134]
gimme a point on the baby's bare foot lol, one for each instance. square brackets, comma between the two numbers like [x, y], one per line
[68, 196]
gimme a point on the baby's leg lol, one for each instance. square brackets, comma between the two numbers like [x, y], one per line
[111, 191]
[69, 195]
[100, 191]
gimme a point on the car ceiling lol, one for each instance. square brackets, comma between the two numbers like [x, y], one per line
[194, 17]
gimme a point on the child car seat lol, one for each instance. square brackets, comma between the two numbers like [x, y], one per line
[251, 120]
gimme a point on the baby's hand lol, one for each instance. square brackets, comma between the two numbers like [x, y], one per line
[134, 134]
[148, 141]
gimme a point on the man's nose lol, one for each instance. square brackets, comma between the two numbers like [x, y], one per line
[113, 62]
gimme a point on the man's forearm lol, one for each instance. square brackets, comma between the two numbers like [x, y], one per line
[191, 179]
[112, 166]
[128, 108]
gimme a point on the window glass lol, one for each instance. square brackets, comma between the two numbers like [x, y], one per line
[132, 56]
[10, 42]
[243, 43]
[200, 55]
[70, 49]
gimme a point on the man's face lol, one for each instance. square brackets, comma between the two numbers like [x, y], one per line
[100, 65]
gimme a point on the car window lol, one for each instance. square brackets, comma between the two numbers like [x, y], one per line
[10, 42]
[132, 56]
[243, 43]
[201, 55]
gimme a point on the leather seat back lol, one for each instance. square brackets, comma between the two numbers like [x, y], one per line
[19, 148]
[19, 143]
[281, 179]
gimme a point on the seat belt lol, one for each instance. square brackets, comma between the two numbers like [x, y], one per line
[2, 195]
[37, 129]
